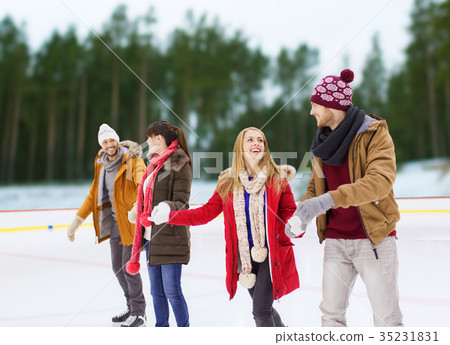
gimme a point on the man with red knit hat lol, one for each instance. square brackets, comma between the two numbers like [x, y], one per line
[351, 194]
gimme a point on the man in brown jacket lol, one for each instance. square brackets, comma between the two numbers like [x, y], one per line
[351, 194]
[118, 171]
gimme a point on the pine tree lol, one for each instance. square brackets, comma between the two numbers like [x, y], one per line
[370, 94]
[14, 59]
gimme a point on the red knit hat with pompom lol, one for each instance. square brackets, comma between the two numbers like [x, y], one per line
[334, 92]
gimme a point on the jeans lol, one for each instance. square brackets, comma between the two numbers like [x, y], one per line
[131, 284]
[262, 295]
[165, 285]
[343, 261]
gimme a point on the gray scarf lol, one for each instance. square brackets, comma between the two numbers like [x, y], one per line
[111, 169]
[332, 146]
[107, 176]
[113, 166]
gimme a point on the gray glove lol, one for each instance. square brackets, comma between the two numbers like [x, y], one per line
[313, 207]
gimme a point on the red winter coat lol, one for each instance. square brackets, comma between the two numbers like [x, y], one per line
[279, 208]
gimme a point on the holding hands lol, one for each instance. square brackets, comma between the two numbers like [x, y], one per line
[295, 227]
[160, 213]
[306, 211]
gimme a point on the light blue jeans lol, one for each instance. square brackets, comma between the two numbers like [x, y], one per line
[343, 261]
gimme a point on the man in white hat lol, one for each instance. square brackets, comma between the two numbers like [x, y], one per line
[118, 171]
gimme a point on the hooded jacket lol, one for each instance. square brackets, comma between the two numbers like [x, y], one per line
[372, 169]
[171, 244]
[126, 185]
[279, 208]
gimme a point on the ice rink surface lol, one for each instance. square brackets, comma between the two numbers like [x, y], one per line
[48, 281]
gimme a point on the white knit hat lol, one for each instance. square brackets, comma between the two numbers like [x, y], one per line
[106, 132]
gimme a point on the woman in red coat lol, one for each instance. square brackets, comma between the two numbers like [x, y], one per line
[256, 200]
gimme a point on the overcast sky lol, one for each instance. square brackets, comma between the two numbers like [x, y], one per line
[336, 28]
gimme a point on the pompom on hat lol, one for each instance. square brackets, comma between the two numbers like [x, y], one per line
[334, 92]
[106, 132]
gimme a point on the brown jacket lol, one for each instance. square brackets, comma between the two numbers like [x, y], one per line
[125, 193]
[372, 168]
[171, 244]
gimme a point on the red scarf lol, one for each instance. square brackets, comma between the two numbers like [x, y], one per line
[144, 206]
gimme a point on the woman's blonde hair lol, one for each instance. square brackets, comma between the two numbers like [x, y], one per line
[229, 179]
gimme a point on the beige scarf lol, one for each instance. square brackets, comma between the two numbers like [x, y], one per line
[256, 188]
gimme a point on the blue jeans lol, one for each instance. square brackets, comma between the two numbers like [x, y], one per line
[165, 285]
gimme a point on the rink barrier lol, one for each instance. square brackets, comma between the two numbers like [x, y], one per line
[41, 227]
[65, 226]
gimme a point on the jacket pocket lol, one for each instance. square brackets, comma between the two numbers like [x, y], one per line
[170, 238]
[173, 234]
[387, 209]
[286, 258]
[285, 249]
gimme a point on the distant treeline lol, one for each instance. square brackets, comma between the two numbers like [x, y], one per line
[52, 101]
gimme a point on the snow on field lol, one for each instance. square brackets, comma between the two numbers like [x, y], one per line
[49, 281]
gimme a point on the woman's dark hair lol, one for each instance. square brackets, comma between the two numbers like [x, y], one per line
[169, 132]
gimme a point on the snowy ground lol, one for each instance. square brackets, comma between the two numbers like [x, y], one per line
[49, 281]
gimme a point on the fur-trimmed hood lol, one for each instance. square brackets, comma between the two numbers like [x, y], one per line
[134, 149]
[175, 161]
[286, 171]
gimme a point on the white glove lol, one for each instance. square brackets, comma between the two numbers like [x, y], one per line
[74, 227]
[295, 227]
[160, 214]
[132, 214]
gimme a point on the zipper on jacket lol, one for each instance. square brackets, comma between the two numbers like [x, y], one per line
[357, 207]
[273, 276]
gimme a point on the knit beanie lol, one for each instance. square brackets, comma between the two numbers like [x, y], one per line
[106, 132]
[334, 92]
